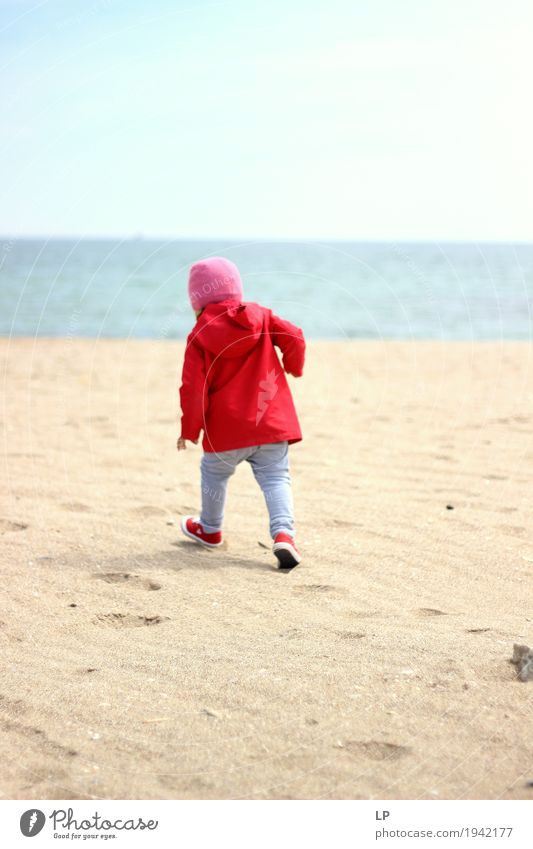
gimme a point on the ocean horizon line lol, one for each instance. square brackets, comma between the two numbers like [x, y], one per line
[263, 240]
[311, 338]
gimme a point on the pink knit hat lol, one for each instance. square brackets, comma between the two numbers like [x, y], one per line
[212, 280]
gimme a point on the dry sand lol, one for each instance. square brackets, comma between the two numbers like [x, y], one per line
[137, 665]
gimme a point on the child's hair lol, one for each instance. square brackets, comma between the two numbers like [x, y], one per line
[212, 280]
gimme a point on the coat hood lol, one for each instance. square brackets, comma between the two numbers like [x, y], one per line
[230, 328]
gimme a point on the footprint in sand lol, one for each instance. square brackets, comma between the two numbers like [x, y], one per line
[376, 750]
[431, 611]
[366, 614]
[76, 507]
[291, 633]
[318, 589]
[6, 525]
[35, 733]
[513, 530]
[147, 510]
[350, 635]
[13, 638]
[12, 707]
[341, 523]
[127, 578]
[127, 620]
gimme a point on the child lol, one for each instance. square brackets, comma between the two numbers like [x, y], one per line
[235, 390]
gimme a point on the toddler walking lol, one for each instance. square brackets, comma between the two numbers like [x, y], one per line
[234, 389]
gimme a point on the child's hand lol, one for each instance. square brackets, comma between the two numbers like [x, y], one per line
[182, 443]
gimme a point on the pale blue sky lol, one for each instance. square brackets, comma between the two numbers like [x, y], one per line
[391, 119]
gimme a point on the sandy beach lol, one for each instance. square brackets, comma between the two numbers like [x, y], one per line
[137, 665]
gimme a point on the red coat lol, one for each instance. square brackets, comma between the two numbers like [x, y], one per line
[233, 384]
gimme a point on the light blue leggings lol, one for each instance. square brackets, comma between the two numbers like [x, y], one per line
[270, 465]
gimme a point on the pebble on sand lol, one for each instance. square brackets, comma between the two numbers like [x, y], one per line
[523, 660]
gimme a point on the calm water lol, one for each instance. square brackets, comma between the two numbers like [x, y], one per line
[137, 288]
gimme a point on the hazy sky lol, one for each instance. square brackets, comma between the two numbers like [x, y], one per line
[382, 119]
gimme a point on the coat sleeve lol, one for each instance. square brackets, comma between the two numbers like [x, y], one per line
[290, 340]
[193, 392]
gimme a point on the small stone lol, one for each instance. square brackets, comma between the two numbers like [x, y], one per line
[449, 507]
[523, 660]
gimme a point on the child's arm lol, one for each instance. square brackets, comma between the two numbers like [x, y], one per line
[290, 340]
[193, 394]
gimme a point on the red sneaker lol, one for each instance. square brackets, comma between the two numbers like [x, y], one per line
[192, 528]
[286, 551]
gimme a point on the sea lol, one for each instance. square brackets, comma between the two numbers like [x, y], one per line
[137, 288]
